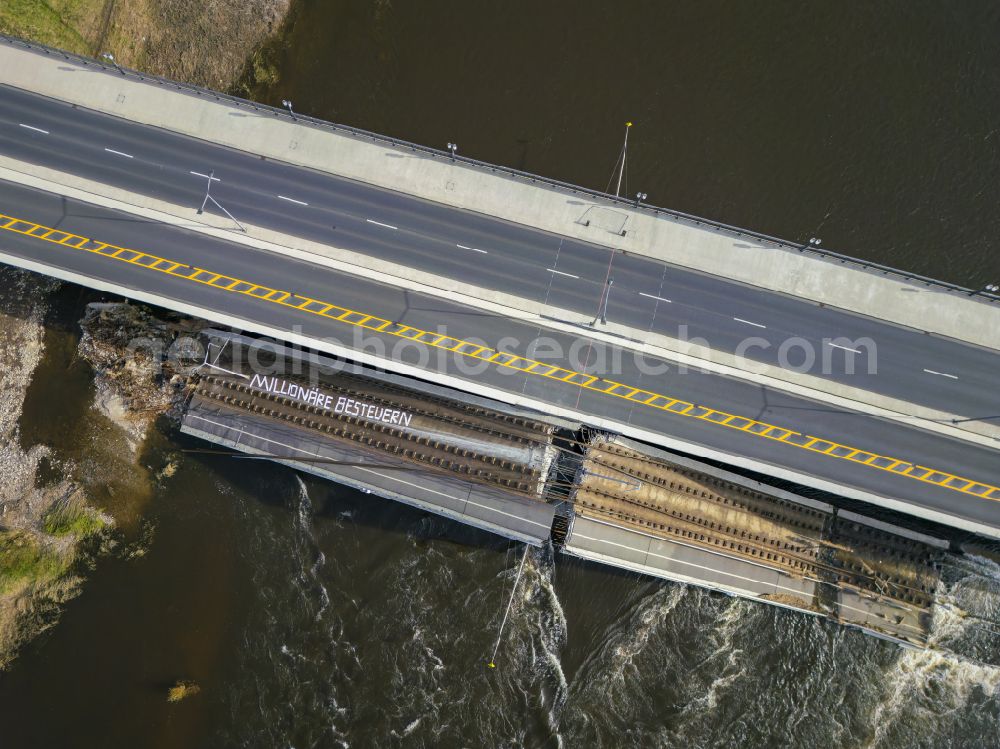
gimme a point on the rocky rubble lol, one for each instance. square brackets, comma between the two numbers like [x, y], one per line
[137, 371]
[45, 527]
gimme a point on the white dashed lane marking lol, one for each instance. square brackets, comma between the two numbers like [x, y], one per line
[845, 348]
[653, 296]
[941, 374]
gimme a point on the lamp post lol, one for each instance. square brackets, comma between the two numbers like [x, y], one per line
[287, 104]
[208, 196]
[621, 171]
[990, 288]
[453, 147]
[814, 243]
[639, 197]
[111, 58]
[604, 306]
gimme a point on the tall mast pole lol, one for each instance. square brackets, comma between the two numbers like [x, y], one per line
[621, 171]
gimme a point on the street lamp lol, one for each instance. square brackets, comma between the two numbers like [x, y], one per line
[639, 197]
[208, 196]
[604, 306]
[992, 288]
[453, 147]
[287, 104]
[111, 58]
[813, 242]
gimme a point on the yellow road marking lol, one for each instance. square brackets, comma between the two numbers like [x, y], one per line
[582, 380]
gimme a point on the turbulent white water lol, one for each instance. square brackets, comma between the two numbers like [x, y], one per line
[933, 692]
[374, 627]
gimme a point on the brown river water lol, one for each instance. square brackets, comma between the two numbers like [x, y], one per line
[314, 616]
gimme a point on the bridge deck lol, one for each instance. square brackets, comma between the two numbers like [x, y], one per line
[837, 446]
[808, 442]
[525, 200]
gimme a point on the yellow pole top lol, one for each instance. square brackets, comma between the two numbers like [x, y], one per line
[628, 124]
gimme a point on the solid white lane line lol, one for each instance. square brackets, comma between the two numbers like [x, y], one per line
[941, 374]
[755, 324]
[653, 296]
[560, 273]
[846, 348]
[36, 129]
[462, 246]
[379, 223]
[205, 176]
[293, 200]
[118, 153]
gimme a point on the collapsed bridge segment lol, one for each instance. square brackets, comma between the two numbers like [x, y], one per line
[642, 509]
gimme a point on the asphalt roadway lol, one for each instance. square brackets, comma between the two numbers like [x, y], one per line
[484, 252]
[407, 308]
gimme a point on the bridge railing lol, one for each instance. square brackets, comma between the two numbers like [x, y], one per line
[805, 249]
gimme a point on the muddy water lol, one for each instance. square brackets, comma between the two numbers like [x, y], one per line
[311, 615]
[873, 126]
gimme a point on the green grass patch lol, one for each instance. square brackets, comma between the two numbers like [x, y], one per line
[265, 70]
[56, 23]
[72, 517]
[24, 560]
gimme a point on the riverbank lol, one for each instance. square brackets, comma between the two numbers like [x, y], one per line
[44, 525]
[209, 44]
[76, 407]
[57, 508]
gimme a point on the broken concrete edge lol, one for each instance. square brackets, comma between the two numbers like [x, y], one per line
[615, 561]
